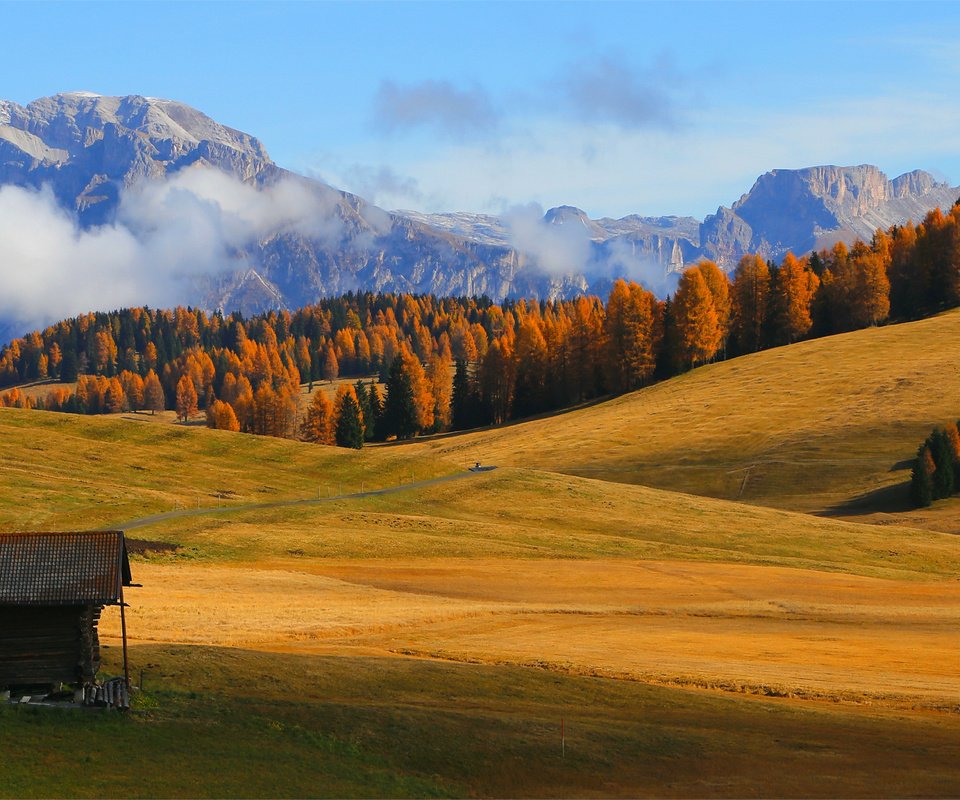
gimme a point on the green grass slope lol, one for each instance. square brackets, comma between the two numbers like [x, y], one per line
[231, 723]
[526, 514]
[62, 471]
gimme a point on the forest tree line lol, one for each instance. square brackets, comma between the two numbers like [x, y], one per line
[509, 360]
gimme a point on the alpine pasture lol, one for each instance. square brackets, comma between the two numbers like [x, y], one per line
[639, 601]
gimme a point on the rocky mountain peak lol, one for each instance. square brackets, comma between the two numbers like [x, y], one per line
[563, 215]
[571, 216]
[796, 209]
[90, 146]
[64, 120]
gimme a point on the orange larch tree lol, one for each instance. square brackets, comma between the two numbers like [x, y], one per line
[698, 333]
[749, 298]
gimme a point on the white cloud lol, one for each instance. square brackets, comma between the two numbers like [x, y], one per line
[167, 233]
[558, 249]
[611, 171]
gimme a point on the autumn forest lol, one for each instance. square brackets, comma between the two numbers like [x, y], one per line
[507, 361]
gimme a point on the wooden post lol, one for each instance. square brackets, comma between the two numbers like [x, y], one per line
[123, 633]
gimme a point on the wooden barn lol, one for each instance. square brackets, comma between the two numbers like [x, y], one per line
[53, 587]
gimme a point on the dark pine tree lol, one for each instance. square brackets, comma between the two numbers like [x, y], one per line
[667, 356]
[363, 397]
[943, 458]
[68, 366]
[462, 405]
[399, 411]
[816, 264]
[349, 431]
[921, 480]
[373, 413]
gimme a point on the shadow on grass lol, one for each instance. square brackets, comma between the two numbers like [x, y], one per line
[223, 722]
[893, 499]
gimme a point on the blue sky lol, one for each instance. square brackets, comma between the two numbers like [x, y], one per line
[614, 107]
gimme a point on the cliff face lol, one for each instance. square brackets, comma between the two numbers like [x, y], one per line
[797, 210]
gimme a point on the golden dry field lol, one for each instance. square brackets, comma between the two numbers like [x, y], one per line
[434, 641]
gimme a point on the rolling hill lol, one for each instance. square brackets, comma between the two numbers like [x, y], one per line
[809, 427]
[434, 641]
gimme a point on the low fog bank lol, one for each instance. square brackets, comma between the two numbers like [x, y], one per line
[166, 234]
[569, 248]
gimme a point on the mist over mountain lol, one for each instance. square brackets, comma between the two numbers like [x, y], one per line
[114, 201]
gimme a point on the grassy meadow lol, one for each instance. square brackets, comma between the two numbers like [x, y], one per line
[64, 471]
[639, 569]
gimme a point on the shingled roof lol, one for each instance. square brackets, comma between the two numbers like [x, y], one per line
[54, 569]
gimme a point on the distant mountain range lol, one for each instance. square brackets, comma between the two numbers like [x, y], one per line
[90, 150]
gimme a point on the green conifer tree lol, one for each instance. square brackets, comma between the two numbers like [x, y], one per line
[349, 431]
[399, 411]
[921, 478]
[373, 413]
[943, 458]
[461, 404]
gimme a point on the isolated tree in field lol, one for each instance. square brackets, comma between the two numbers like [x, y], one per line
[695, 320]
[186, 398]
[349, 425]
[939, 448]
[953, 439]
[153, 396]
[921, 478]
[318, 423]
[749, 298]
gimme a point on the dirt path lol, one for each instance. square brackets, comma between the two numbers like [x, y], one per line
[152, 519]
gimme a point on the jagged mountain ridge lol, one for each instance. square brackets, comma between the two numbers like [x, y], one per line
[806, 209]
[90, 149]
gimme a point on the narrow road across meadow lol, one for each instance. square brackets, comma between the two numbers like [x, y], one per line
[142, 522]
